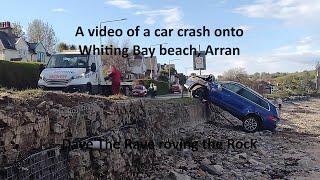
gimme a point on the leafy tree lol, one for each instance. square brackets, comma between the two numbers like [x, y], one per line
[73, 47]
[297, 83]
[39, 31]
[163, 76]
[182, 78]
[164, 73]
[62, 46]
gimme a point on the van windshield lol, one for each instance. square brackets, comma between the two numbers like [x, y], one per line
[68, 61]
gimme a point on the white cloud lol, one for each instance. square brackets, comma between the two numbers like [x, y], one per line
[305, 45]
[244, 27]
[171, 17]
[150, 20]
[290, 11]
[124, 4]
[59, 10]
[298, 56]
[282, 49]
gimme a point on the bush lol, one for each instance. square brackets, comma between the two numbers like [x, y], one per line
[162, 87]
[19, 75]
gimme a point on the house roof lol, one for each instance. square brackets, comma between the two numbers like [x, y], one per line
[32, 46]
[8, 41]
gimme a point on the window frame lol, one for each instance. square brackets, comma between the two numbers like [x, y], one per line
[247, 89]
[230, 89]
[252, 93]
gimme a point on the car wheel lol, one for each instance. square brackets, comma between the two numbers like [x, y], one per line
[251, 124]
[199, 93]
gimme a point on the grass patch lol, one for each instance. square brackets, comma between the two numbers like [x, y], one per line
[30, 92]
[117, 97]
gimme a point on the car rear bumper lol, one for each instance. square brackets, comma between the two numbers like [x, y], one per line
[138, 94]
[270, 125]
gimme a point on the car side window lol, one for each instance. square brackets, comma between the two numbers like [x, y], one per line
[252, 97]
[264, 104]
[232, 87]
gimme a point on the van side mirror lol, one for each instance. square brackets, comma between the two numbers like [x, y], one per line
[219, 87]
[93, 67]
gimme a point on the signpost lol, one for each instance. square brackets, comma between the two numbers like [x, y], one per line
[199, 61]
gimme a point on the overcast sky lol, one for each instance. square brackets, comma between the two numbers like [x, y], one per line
[280, 35]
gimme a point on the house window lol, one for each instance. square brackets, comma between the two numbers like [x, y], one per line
[40, 57]
[22, 53]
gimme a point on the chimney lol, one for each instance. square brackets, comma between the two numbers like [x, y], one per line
[6, 27]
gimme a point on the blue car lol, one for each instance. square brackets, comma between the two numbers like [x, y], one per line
[255, 111]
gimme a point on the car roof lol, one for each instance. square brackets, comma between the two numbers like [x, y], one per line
[253, 91]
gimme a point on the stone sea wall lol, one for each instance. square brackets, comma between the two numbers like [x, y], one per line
[32, 123]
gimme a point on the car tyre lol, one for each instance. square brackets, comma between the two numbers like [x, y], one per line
[251, 124]
[199, 93]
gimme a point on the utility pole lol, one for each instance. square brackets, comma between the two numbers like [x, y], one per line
[109, 21]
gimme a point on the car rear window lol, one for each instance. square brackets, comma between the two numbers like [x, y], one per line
[232, 87]
[138, 87]
[263, 104]
[254, 98]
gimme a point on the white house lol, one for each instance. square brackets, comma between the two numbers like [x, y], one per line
[13, 48]
[152, 67]
[136, 67]
[38, 52]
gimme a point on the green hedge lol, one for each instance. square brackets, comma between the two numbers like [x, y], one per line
[19, 75]
[162, 87]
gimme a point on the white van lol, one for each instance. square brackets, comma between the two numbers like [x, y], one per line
[70, 71]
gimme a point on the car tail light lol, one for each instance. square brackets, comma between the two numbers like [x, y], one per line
[272, 118]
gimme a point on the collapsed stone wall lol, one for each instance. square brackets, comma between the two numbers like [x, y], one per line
[33, 123]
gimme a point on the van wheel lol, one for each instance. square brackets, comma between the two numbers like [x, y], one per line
[251, 124]
[89, 89]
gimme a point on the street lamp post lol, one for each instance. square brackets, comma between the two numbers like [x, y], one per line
[109, 21]
[169, 70]
[151, 65]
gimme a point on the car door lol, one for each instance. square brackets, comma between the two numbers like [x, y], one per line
[231, 100]
[255, 103]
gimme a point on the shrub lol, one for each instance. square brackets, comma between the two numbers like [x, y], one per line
[19, 75]
[162, 87]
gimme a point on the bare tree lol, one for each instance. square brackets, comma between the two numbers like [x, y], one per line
[235, 74]
[17, 29]
[117, 60]
[39, 31]
[238, 75]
